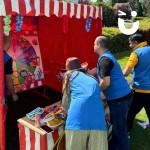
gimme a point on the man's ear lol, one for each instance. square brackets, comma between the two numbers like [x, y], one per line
[99, 46]
[136, 42]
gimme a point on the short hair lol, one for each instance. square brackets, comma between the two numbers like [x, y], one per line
[137, 37]
[103, 41]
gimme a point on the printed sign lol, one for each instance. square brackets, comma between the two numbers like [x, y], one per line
[27, 63]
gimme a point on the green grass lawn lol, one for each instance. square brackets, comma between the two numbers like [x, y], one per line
[140, 138]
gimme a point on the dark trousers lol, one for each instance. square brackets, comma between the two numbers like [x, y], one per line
[140, 100]
[118, 113]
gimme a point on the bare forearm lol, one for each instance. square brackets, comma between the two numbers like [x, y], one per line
[9, 84]
[92, 71]
[103, 86]
[104, 83]
[127, 71]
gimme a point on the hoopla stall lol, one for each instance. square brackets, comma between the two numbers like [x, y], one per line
[48, 32]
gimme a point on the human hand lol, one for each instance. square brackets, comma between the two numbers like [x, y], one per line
[60, 76]
[15, 97]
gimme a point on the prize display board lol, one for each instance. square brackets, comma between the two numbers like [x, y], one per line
[33, 138]
[107, 116]
[27, 62]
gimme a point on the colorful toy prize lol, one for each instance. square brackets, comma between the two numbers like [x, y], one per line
[6, 27]
[88, 24]
[19, 22]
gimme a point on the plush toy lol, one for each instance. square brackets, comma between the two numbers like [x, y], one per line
[88, 24]
[6, 27]
[19, 22]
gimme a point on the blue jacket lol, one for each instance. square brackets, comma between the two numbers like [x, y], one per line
[86, 111]
[118, 85]
[141, 72]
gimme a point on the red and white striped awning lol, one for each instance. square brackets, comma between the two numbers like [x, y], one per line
[48, 8]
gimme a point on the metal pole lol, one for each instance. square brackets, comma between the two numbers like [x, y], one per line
[3, 108]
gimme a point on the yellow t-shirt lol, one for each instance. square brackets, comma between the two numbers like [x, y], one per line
[132, 62]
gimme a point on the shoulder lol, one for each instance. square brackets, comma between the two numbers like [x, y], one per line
[105, 61]
[140, 49]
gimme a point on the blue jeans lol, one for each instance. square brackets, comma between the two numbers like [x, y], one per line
[118, 113]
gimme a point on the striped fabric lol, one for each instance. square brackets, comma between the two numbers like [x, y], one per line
[48, 8]
[30, 140]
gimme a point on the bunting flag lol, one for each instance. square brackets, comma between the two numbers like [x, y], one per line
[48, 8]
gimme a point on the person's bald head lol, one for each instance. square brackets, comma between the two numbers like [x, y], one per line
[101, 44]
[7, 42]
[103, 41]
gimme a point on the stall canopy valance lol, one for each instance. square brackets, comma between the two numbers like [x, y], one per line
[48, 8]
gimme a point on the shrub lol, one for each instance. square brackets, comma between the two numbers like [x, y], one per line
[119, 41]
[108, 14]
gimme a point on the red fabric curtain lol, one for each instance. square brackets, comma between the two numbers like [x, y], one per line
[64, 37]
[60, 38]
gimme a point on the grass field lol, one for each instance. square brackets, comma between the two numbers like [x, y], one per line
[140, 138]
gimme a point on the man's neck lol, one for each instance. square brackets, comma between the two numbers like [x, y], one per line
[102, 51]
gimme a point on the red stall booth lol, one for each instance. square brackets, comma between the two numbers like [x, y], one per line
[54, 31]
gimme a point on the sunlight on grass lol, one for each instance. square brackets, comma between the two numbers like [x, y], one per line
[122, 59]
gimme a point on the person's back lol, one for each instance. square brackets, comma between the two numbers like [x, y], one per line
[85, 125]
[86, 111]
[141, 72]
[118, 87]
[139, 65]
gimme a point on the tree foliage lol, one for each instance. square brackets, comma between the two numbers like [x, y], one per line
[146, 8]
[108, 14]
[137, 6]
[118, 1]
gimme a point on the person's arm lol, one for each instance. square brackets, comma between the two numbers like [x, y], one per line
[127, 70]
[9, 84]
[66, 98]
[8, 79]
[105, 82]
[92, 71]
[106, 66]
[132, 62]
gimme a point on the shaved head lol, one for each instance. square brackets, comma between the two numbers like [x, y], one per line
[103, 41]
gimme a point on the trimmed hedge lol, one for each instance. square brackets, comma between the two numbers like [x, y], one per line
[119, 41]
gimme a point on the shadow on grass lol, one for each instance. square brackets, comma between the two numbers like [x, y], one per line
[139, 137]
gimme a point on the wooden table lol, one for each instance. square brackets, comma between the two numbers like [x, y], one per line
[33, 138]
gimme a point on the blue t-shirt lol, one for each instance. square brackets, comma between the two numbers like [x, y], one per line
[86, 111]
[7, 68]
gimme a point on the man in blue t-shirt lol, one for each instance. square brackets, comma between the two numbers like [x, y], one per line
[8, 70]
